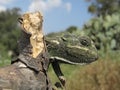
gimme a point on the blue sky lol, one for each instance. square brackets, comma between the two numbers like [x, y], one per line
[58, 14]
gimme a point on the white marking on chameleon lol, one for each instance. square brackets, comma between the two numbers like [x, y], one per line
[55, 41]
[82, 48]
[66, 61]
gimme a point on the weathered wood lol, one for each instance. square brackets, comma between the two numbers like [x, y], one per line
[28, 70]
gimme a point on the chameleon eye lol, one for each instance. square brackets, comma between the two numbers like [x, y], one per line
[85, 42]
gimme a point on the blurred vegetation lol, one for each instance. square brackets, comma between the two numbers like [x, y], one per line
[105, 31]
[9, 33]
[103, 7]
[100, 75]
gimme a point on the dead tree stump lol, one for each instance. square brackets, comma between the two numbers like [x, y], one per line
[28, 70]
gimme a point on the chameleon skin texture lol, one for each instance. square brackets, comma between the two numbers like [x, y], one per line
[71, 49]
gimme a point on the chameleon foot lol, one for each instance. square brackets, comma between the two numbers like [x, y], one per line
[62, 80]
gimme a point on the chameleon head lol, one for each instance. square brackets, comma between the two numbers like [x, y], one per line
[82, 48]
[72, 49]
[31, 22]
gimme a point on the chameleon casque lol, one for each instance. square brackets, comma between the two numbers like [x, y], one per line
[71, 49]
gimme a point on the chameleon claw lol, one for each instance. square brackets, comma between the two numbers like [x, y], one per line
[62, 80]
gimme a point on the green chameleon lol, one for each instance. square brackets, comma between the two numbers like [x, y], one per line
[70, 49]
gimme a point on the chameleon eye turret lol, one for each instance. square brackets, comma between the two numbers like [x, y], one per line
[85, 41]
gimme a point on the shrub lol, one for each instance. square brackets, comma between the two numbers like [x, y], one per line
[101, 75]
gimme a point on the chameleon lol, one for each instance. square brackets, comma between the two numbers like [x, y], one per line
[68, 48]
[71, 49]
[29, 68]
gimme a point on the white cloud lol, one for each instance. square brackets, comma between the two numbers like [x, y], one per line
[68, 6]
[5, 1]
[2, 8]
[37, 5]
[3, 4]
[54, 3]
[45, 5]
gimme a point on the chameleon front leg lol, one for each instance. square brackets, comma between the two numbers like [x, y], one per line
[58, 72]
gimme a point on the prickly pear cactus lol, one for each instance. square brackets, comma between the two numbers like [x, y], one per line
[105, 31]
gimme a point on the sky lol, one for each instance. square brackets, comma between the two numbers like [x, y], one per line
[58, 14]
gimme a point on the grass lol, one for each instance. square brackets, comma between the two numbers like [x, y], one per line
[103, 74]
[5, 61]
[68, 70]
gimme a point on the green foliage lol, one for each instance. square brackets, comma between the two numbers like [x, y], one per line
[9, 33]
[71, 29]
[105, 31]
[103, 7]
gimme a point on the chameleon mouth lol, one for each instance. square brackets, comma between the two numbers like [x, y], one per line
[79, 61]
[63, 60]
